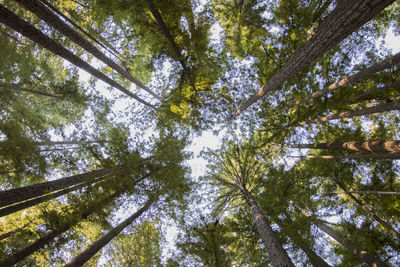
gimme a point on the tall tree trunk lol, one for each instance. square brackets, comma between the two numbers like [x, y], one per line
[53, 20]
[347, 17]
[18, 88]
[12, 196]
[394, 60]
[354, 156]
[86, 255]
[53, 143]
[362, 112]
[367, 210]
[369, 192]
[350, 246]
[276, 252]
[49, 237]
[365, 95]
[10, 19]
[372, 146]
[302, 244]
[13, 232]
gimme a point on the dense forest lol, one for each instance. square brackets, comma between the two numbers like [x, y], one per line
[103, 104]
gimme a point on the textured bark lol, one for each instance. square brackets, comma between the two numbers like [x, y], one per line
[302, 244]
[53, 20]
[355, 156]
[372, 146]
[347, 17]
[365, 96]
[356, 113]
[350, 246]
[87, 254]
[277, 254]
[52, 143]
[49, 237]
[12, 196]
[394, 60]
[29, 203]
[367, 210]
[10, 19]
[18, 88]
[369, 192]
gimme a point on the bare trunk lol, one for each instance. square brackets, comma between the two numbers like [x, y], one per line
[347, 17]
[49, 237]
[369, 192]
[394, 60]
[276, 252]
[367, 210]
[12, 196]
[350, 246]
[52, 143]
[86, 255]
[53, 20]
[10, 19]
[369, 93]
[18, 88]
[366, 111]
[372, 146]
[355, 156]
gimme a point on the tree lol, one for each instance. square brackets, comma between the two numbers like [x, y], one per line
[372, 146]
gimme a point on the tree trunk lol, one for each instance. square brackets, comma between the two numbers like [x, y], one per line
[355, 156]
[394, 60]
[369, 192]
[366, 209]
[347, 17]
[12, 196]
[53, 20]
[10, 19]
[372, 146]
[276, 252]
[53, 143]
[349, 114]
[49, 237]
[298, 240]
[13, 232]
[87, 254]
[369, 93]
[23, 205]
[350, 246]
[18, 88]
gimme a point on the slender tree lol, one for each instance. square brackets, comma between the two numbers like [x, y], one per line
[18, 88]
[352, 156]
[375, 93]
[86, 255]
[356, 113]
[369, 192]
[347, 17]
[10, 19]
[372, 146]
[389, 62]
[53, 20]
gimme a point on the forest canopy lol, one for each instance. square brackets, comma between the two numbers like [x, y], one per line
[103, 104]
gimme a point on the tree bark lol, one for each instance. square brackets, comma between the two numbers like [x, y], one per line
[347, 17]
[276, 252]
[12, 196]
[355, 156]
[53, 20]
[10, 19]
[87, 254]
[18, 88]
[362, 112]
[369, 93]
[372, 146]
[369, 192]
[394, 60]
[350, 246]
[49, 237]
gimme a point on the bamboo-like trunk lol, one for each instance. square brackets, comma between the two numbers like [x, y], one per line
[394, 60]
[12, 196]
[356, 113]
[87, 254]
[276, 252]
[349, 245]
[53, 20]
[10, 19]
[347, 17]
[355, 156]
[21, 89]
[372, 146]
